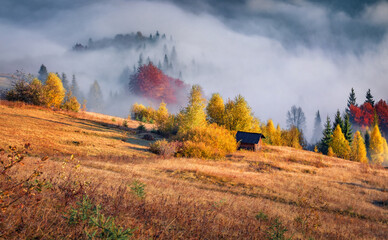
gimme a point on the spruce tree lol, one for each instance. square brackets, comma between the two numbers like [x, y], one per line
[327, 136]
[43, 74]
[216, 109]
[165, 62]
[140, 62]
[367, 143]
[95, 98]
[339, 144]
[65, 82]
[351, 101]
[75, 89]
[317, 128]
[369, 98]
[347, 129]
[173, 56]
[358, 149]
[338, 121]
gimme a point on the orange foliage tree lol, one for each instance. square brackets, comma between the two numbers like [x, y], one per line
[150, 82]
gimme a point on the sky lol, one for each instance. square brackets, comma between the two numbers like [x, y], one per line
[276, 53]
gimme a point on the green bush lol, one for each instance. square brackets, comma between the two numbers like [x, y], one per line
[96, 225]
[141, 128]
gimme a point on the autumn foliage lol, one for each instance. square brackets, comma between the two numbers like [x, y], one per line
[365, 115]
[150, 82]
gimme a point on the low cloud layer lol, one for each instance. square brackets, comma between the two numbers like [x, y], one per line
[275, 53]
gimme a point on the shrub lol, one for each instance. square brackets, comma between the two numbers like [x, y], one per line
[96, 225]
[165, 148]
[212, 141]
[71, 103]
[125, 123]
[141, 128]
[276, 231]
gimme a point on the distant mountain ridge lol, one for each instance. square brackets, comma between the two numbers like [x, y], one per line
[121, 41]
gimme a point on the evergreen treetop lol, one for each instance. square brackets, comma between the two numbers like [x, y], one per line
[327, 136]
[347, 129]
[43, 74]
[369, 98]
[338, 121]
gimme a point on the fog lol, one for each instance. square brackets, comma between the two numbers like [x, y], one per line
[275, 53]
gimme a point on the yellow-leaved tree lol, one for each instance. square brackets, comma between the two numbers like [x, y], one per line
[358, 150]
[194, 114]
[339, 144]
[54, 91]
[238, 115]
[272, 135]
[71, 103]
[216, 109]
[161, 117]
[376, 146]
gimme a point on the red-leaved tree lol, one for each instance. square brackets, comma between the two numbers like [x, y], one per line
[362, 115]
[382, 112]
[150, 82]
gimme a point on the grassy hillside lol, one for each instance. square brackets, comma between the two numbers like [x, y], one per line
[246, 195]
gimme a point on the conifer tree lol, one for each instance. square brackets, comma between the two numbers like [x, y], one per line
[351, 101]
[369, 98]
[216, 109]
[367, 142]
[43, 74]
[347, 129]
[165, 62]
[338, 121]
[54, 91]
[65, 82]
[173, 56]
[76, 90]
[358, 150]
[339, 144]
[140, 62]
[317, 128]
[95, 98]
[376, 146]
[194, 114]
[327, 136]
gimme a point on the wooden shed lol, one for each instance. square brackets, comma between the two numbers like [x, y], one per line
[249, 141]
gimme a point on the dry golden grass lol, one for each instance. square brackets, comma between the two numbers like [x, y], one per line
[312, 194]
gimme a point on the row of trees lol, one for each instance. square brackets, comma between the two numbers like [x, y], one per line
[50, 94]
[346, 135]
[199, 119]
[54, 90]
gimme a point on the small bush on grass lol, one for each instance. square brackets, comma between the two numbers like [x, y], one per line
[141, 128]
[165, 148]
[211, 141]
[96, 225]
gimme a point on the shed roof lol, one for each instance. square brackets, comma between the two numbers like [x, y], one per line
[247, 137]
